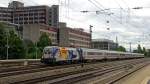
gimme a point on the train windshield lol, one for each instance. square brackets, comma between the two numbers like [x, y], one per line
[47, 51]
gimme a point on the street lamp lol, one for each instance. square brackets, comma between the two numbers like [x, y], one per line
[108, 40]
[36, 49]
[130, 46]
[91, 35]
[7, 45]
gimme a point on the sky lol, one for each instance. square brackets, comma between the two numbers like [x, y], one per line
[119, 16]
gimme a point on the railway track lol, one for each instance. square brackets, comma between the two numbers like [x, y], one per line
[110, 77]
[16, 68]
[34, 66]
[76, 73]
[125, 75]
[31, 69]
[77, 78]
[37, 68]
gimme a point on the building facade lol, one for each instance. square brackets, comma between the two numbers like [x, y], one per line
[17, 13]
[51, 32]
[63, 36]
[73, 37]
[104, 44]
[35, 20]
[33, 32]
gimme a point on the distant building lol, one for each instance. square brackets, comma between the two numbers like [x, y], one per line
[35, 20]
[104, 44]
[64, 36]
[34, 31]
[51, 32]
[73, 37]
[17, 13]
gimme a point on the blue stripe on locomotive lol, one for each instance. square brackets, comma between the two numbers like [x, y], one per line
[71, 55]
[54, 51]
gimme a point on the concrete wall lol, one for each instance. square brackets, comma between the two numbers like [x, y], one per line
[31, 32]
[63, 35]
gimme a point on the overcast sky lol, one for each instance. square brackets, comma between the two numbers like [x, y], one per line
[128, 24]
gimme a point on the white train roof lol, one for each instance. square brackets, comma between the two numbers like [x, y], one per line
[97, 50]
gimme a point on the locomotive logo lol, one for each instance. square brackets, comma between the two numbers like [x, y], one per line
[63, 53]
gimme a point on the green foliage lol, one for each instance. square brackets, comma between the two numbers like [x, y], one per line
[121, 48]
[35, 53]
[142, 51]
[30, 49]
[16, 47]
[139, 49]
[148, 53]
[34, 50]
[2, 41]
[44, 41]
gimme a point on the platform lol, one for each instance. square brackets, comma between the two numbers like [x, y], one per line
[141, 76]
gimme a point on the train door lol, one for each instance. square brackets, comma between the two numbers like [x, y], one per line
[80, 53]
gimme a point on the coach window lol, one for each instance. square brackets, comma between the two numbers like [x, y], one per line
[99, 53]
[91, 53]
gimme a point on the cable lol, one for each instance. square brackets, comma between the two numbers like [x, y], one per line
[102, 9]
[113, 15]
[95, 4]
[132, 24]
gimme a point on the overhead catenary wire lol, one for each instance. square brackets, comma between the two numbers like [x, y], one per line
[121, 8]
[128, 25]
[73, 10]
[105, 10]
[114, 18]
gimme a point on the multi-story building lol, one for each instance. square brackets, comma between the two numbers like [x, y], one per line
[63, 36]
[35, 20]
[17, 13]
[34, 31]
[51, 32]
[73, 37]
[104, 44]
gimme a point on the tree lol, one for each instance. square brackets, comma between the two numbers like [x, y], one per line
[139, 49]
[121, 48]
[144, 51]
[15, 44]
[148, 53]
[44, 41]
[30, 49]
[2, 41]
[33, 51]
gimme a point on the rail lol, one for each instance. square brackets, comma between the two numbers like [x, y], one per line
[18, 62]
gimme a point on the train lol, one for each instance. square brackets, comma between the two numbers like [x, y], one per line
[56, 54]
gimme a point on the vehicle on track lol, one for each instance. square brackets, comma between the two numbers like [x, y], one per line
[55, 54]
